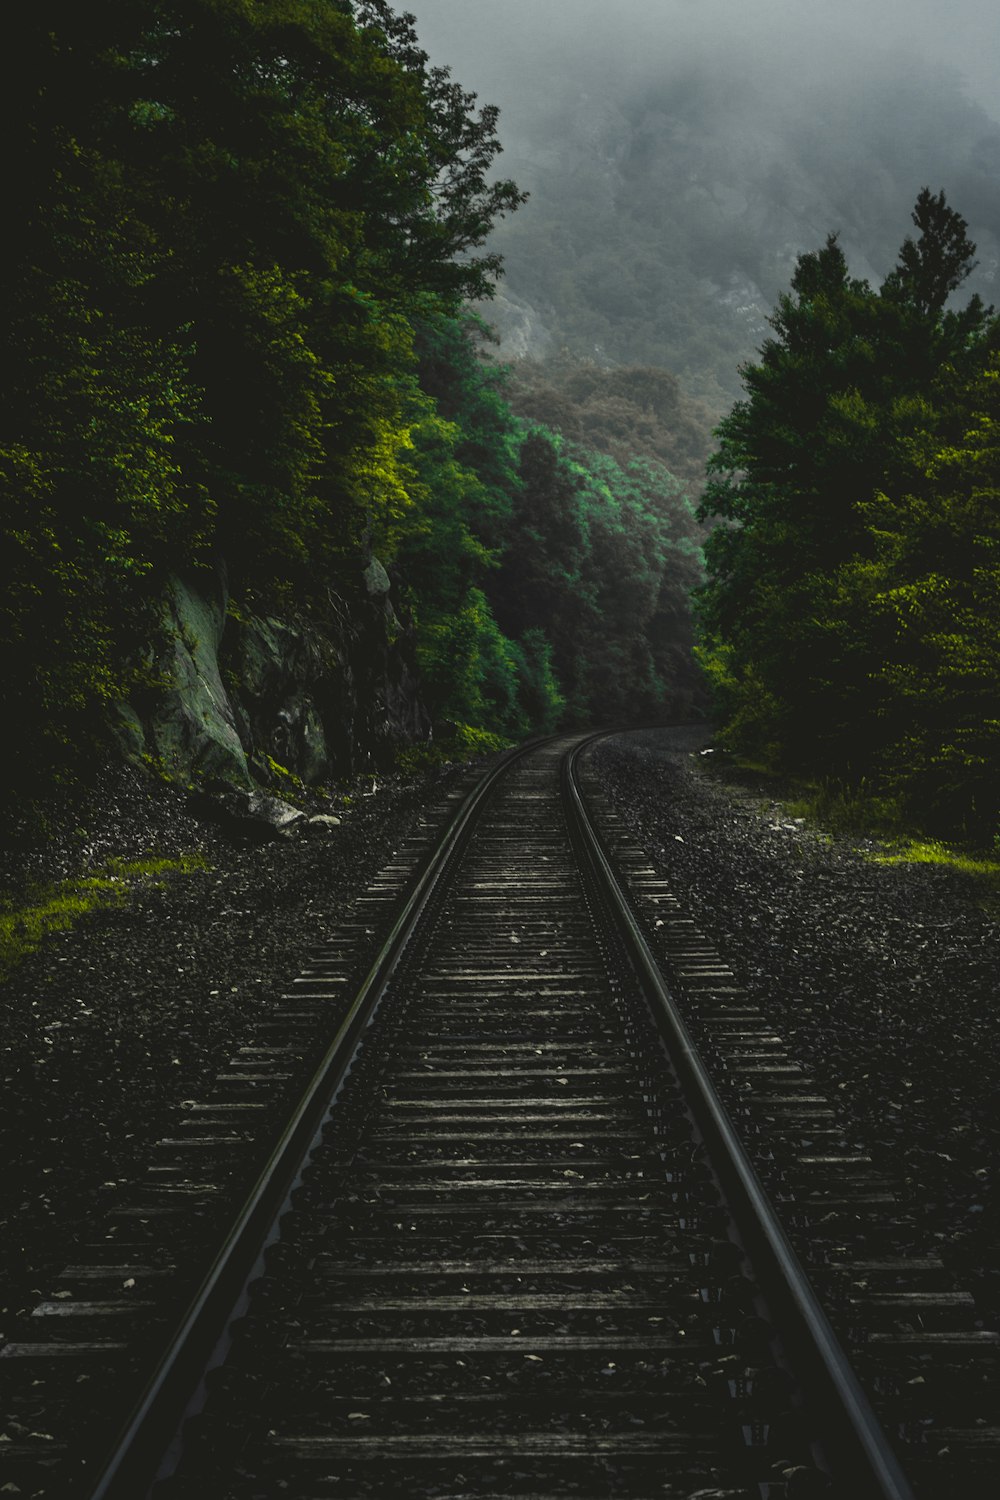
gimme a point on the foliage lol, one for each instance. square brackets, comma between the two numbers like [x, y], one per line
[240, 245]
[469, 668]
[857, 807]
[550, 582]
[849, 620]
[222, 220]
[627, 412]
[930, 598]
[460, 742]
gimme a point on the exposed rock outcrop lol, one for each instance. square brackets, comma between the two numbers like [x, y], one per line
[191, 728]
[289, 684]
[241, 698]
[519, 327]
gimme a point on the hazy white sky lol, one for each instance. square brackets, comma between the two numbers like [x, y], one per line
[502, 47]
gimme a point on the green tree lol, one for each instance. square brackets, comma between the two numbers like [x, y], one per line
[315, 183]
[935, 265]
[586, 564]
[928, 601]
[471, 669]
[224, 218]
[838, 392]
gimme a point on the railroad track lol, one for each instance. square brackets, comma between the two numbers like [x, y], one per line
[508, 1242]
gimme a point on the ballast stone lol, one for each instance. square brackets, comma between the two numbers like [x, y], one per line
[272, 812]
[248, 813]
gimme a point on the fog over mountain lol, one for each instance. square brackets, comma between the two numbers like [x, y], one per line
[681, 153]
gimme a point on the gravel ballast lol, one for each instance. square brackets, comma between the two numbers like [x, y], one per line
[881, 978]
[110, 1024]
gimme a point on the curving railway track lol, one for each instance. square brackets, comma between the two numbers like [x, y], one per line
[509, 1240]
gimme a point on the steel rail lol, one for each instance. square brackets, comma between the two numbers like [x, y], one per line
[130, 1468]
[846, 1414]
[838, 1401]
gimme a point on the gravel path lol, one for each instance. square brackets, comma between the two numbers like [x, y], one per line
[110, 1024]
[884, 979]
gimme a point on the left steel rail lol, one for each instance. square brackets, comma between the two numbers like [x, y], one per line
[131, 1465]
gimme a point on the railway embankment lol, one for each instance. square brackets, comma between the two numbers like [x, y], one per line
[116, 1018]
[883, 978]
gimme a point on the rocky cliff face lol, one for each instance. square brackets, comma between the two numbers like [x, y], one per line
[239, 698]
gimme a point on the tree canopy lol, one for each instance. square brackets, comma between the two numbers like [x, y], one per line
[848, 616]
[241, 236]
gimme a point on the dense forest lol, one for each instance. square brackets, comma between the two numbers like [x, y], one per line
[851, 620]
[241, 240]
[682, 175]
[245, 243]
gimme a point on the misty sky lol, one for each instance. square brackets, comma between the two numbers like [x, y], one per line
[681, 154]
[504, 48]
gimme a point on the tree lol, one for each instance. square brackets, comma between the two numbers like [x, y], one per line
[226, 218]
[936, 264]
[830, 408]
[929, 601]
[584, 563]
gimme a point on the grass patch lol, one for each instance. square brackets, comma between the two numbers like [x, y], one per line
[857, 810]
[932, 852]
[465, 742]
[849, 807]
[24, 927]
[835, 806]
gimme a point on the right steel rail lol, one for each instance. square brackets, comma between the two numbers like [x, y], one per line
[841, 1407]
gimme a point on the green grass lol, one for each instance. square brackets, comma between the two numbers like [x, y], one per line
[24, 927]
[846, 807]
[855, 810]
[833, 805]
[932, 852]
[859, 811]
[464, 743]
